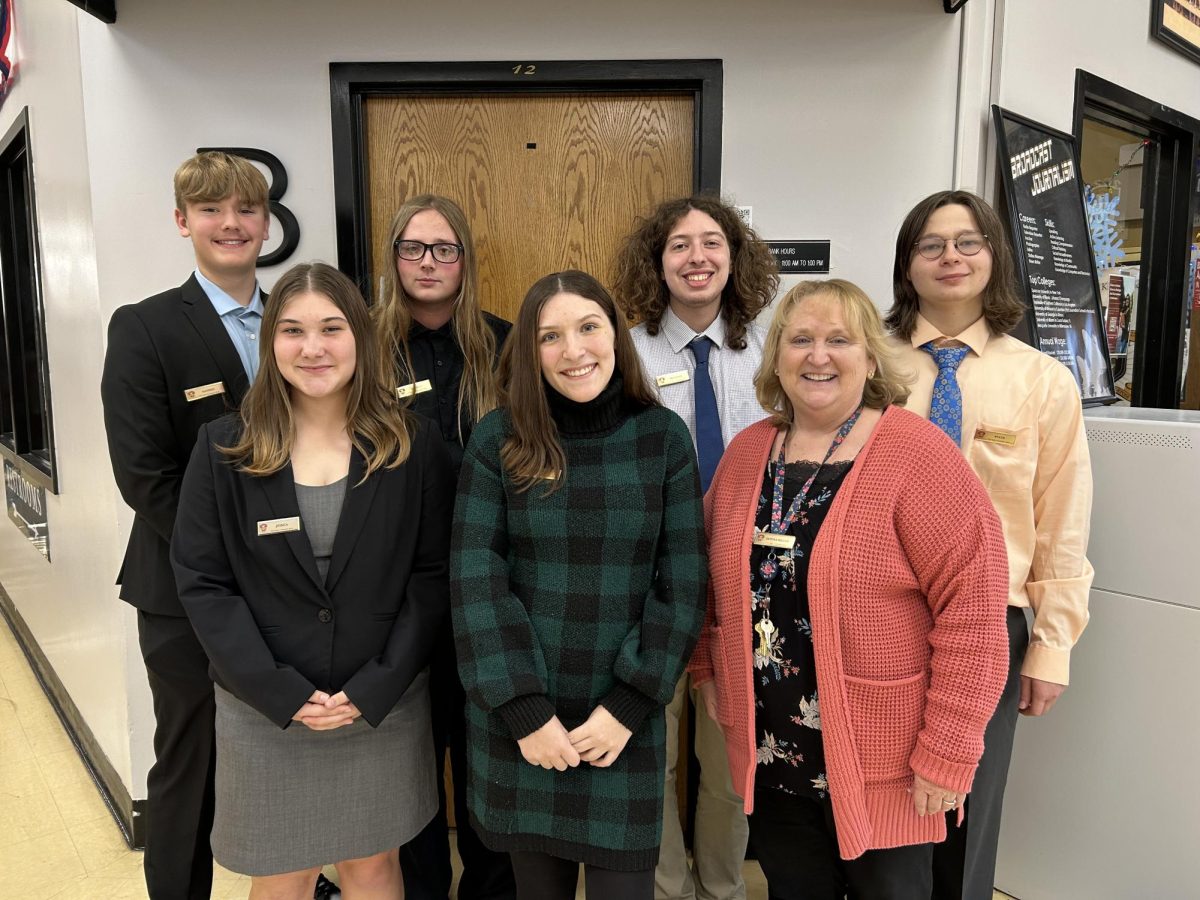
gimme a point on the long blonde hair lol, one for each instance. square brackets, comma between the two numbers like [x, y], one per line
[477, 389]
[886, 386]
[377, 423]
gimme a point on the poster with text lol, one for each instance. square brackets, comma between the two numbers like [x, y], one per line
[1048, 221]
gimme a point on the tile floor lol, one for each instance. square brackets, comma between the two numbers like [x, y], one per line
[57, 838]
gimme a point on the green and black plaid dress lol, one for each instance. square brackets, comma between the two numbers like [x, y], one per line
[591, 595]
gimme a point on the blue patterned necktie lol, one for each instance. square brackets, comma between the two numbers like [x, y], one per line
[945, 408]
[709, 443]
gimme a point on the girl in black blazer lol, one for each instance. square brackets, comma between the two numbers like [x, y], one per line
[310, 554]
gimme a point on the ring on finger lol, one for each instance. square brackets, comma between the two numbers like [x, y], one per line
[949, 801]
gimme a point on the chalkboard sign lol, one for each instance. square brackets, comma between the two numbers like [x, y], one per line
[1040, 170]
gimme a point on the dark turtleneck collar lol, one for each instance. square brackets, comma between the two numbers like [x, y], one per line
[600, 415]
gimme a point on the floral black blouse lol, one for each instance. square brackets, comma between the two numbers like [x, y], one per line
[787, 717]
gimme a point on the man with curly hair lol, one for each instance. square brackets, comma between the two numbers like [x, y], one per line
[696, 277]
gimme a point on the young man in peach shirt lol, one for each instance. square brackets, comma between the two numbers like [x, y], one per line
[1017, 416]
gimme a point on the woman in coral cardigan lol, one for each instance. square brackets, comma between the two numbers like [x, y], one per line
[854, 682]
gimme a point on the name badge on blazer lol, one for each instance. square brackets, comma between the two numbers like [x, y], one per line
[278, 526]
[996, 436]
[417, 387]
[204, 390]
[770, 539]
[672, 378]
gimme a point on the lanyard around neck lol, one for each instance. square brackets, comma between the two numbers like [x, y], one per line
[780, 523]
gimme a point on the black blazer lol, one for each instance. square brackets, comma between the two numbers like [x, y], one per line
[157, 351]
[273, 631]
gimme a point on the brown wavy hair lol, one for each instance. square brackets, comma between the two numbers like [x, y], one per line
[888, 384]
[638, 273]
[532, 453]
[1002, 305]
[477, 394]
[378, 425]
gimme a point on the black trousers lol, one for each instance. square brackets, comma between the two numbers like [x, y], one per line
[964, 866]
[795, 841]
[541, 876]
[425, 860]
[178, 862]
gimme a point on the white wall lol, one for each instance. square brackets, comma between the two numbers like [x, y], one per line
[70, 604]
[837, 117]
[823, 133]
[1044, 43]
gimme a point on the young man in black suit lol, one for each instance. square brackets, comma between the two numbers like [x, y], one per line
[175, 361]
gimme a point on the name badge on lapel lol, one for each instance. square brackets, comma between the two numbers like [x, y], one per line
[278, 526]
[204, 390]
[417, 387]
[672, 378]
[996, 436]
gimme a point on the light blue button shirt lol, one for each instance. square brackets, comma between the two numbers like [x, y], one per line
[243, 323]
[732, 371]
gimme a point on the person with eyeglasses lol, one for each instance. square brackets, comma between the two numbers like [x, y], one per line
[445, 348]
[1017, 416]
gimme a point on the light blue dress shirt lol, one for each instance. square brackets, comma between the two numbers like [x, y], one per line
[732, 371]
[243, 323]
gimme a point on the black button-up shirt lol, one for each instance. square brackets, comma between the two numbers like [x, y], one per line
[436, 357]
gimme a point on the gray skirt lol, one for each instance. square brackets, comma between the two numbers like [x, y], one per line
[294, 798]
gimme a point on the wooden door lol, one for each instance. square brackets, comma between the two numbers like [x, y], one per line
[548, 181]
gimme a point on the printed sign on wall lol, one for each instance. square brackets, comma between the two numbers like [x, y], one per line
[800, 257]
[1049, 225]
[26, 505]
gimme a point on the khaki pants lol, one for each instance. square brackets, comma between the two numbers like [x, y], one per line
[721, 830]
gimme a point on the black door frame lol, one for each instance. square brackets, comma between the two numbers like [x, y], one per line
[350, 83]
[1166, 238]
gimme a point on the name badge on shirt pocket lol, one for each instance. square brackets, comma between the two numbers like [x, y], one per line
[996, 436]
[278, 526]
[204, 390]
[417, 387]
[770, 539]
[672, 378]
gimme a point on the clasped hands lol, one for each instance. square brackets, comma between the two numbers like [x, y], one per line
[324, 712]
[598, 741]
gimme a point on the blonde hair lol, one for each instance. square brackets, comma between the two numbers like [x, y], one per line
[477, 394]
[888, 384]
[377, 423]
[215, 176]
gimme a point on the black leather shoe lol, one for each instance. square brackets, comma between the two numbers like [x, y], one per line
[326, 890]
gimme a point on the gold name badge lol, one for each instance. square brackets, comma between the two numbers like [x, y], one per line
[204, 390]
[672, 378]
[996, 436]
[418, 387]
[768, 539]
[278, 526]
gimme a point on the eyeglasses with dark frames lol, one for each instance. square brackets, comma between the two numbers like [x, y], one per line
[416, 250]
[966, 244]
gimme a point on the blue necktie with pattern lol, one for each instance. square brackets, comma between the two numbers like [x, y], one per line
[709, 443]
[945, 408]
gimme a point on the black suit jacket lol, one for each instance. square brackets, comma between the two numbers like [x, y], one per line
[273, 631]
[157, 351]
[436, 356]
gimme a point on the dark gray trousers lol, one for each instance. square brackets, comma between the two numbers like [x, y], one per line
[964, 866]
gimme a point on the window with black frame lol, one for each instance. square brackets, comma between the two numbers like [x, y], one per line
[26, 428]
[1138, 163]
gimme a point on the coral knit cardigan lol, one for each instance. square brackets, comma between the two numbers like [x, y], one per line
[907, 589]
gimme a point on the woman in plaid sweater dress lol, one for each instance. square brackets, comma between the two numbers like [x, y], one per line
[578, 590]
